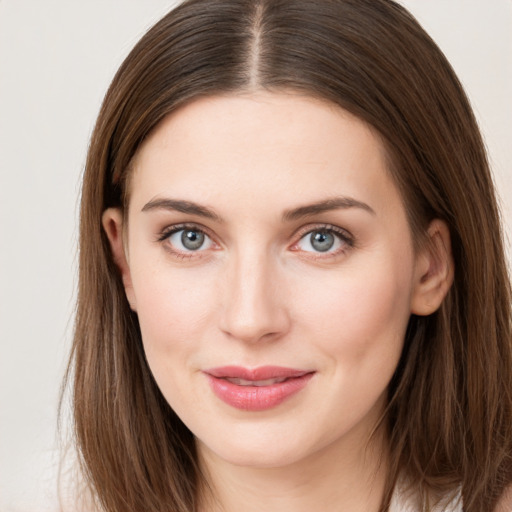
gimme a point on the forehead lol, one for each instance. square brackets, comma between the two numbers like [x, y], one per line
[273, 147]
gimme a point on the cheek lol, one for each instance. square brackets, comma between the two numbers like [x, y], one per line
[360, 313]
[175, 312]
[172, 307]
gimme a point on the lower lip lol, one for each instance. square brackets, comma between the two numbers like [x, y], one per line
[257, 398]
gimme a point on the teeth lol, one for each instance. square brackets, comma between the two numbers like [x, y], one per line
[258, 383]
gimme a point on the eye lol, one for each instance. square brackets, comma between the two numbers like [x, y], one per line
[186, 240]
[324, 240]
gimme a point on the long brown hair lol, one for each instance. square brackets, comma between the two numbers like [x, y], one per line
[449, 416]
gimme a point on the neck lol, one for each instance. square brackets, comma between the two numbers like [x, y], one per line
[338, 477]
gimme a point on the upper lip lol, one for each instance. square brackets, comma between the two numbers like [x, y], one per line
[255, 374]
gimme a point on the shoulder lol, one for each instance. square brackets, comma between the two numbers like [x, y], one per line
[406, 499]
[505, 502]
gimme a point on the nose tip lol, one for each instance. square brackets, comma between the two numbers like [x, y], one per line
[247, 333]
[254, 306]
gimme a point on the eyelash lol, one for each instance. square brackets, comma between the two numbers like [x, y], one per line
[171, 230]
[346, 239]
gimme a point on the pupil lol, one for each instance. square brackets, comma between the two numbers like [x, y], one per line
[322, 241]
[192, 240]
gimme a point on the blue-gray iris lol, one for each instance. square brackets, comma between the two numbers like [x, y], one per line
[192, 240]
[322, 241]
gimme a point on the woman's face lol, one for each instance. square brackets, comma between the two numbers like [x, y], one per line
[270, 262]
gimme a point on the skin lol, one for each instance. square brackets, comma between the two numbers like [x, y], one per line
[259, 293]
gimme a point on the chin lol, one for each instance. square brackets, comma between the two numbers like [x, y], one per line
[258, 452]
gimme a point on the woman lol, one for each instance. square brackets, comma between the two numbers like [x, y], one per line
[293, 291]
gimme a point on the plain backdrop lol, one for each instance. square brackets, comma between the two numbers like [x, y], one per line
[57, 58]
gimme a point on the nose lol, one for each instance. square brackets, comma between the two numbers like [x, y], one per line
[254, 300]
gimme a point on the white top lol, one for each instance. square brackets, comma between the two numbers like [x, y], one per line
[407, 501]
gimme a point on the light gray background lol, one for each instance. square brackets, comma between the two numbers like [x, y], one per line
[57, 58]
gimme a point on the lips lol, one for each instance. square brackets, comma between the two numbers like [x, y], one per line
[256, 389]
[257, 383]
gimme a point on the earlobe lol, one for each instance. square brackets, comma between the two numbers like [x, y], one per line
[112, 221]
[434, 270]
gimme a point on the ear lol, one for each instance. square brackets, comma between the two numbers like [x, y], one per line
[112, 220]
[434, 270]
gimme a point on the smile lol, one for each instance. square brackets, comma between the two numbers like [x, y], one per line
[257, 389]
[257, 383]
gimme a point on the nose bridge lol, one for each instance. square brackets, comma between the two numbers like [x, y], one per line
[253, 302]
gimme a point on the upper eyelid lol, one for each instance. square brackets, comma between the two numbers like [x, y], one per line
[174, 228]
[301, 232]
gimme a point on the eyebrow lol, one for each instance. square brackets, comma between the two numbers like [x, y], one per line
[189, 207]
[335, 203]
[181, 206]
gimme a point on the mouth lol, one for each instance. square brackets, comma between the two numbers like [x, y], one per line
[256, 389]
[257, 383]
